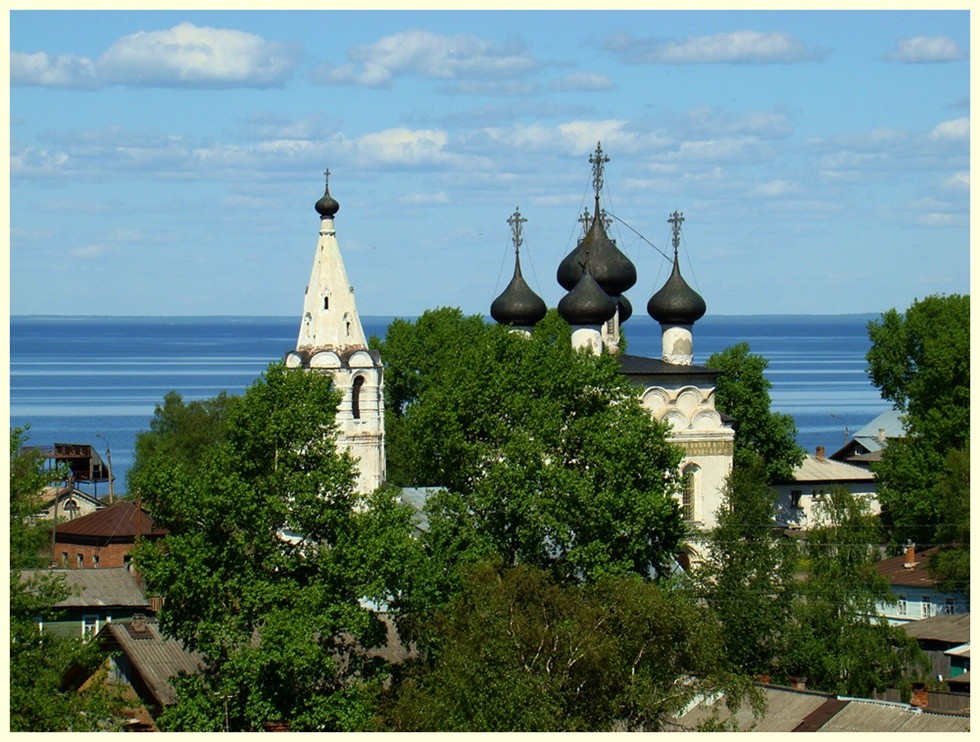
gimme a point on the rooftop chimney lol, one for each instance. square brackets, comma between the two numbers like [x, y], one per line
[909, 556]
[139, 623]
[820, 453]
[881, 435]
[798, 683]
[920, 696]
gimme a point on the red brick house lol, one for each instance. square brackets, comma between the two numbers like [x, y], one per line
[104, 538]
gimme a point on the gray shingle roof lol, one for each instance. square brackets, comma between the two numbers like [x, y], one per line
[954, 629]
[113, 587]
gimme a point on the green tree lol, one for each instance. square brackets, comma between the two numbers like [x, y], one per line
[45, 668]
[180, 432]
[517, 651]
[748, 576]
[837, 638]
[546, 451]
[269, 557]
[920, 360]
[742, 391]
[28, 539]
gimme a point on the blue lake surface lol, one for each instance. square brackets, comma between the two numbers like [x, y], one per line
[75, 378]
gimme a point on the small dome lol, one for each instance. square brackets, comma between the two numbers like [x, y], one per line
[676, 303]
[612, 270]
[586, 304]
[518, 304]
[625, 308]
[327, 206]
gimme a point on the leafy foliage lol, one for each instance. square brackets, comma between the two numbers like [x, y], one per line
[748, 577]
[742, 391]
[546, 451]
[179, 435]
[920, 360]
[516, 651]
[269, 555]
[837, 639]
[27, 480]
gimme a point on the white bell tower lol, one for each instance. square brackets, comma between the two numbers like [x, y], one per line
[331, 340]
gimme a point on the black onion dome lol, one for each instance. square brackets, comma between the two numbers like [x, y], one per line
[676, 303]
[612, 270]
[625, 308]
[518, 304]
[586, 304]
[327, 206]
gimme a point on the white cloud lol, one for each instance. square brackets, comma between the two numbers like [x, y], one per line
[926, 49]
[402, 146]
[185, 55]
[778, 187]
[960, 180]
[957, 129]
[422, 199]
[583, 81]
[58, 72]
[737, 47]
[427, 54]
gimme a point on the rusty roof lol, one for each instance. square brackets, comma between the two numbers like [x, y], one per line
[121, 521]
[897, 573]
[155, 657]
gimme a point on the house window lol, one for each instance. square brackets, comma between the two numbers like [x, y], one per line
[794, 499]
[903, 605]
[949, 606]
[355, 402]
[95, 560]
[64, 558]
[81, 560]
[90, 627]
[326, 302]
[926, 606]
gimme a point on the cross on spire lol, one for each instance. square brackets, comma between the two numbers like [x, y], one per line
[675, 222]
[515, 221]
[585, 219]
[326, 174]
[598, 160]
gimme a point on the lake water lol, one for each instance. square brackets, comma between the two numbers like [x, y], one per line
[76, 378]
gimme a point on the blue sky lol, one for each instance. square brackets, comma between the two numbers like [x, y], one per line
[167, 163]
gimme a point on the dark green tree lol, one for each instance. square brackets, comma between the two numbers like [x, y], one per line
[548, 455]
[270, 556]
[748, 576]
[837, 639]
[517, 651]
[920, 360]
[742, 391]
[180, 432]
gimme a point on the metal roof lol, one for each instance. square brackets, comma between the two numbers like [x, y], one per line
[785, 710]
[878, 716]
[156, 658]
[112, 586]
[118, 522]
[917, 575]
[954, 629]
[643, 366]
[827, 470]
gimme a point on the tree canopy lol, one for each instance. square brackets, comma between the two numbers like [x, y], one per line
[920, 360]
[545, 450]
[269, 558]
[742, 391]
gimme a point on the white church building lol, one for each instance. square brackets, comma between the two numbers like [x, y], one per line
[595, 274]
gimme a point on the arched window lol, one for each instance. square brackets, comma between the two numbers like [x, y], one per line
[692, 473]
[355, 402]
